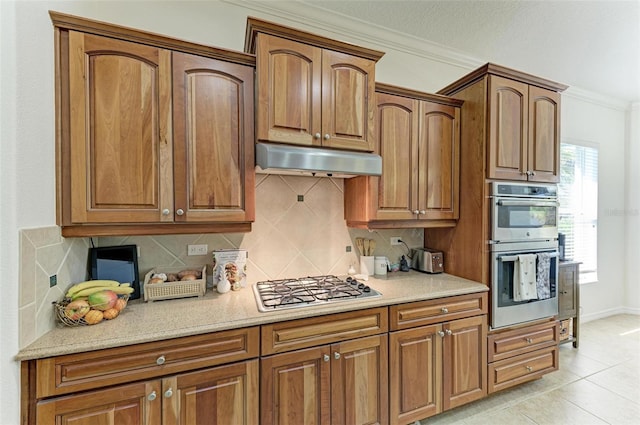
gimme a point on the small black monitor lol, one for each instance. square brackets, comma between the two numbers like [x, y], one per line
[118, 263]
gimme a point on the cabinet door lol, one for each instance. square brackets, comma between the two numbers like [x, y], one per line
[295, 388]
[120, 135]
[464, 361]
[439, 161]
[289, 91]
[348, 101]
[567, 292]
[397, 131]
[508, 129]
[217, 396]
[544, 135]
[359, 381]
[415, 359]
[213, 140]
[134, 404]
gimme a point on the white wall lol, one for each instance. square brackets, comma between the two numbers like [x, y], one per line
[27, 126]
[632, 212]
[605, 126]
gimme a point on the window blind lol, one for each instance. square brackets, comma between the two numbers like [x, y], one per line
[578, 211]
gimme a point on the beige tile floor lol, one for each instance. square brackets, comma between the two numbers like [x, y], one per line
[598, 383]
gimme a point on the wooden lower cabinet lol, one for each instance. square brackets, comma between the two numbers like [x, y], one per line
[341, 383]
[221, 395]
[522, 354]
[437, 367]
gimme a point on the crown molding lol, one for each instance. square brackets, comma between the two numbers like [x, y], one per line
[597, 98]
[314, 19]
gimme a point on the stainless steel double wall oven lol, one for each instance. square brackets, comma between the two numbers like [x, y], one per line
[524, 220]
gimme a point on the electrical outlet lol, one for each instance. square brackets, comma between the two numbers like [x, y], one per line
[395, 240]
[197, 249]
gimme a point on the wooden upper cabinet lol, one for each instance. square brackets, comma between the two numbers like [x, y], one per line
[439, 161]
[289, 91]
[119, 136]
[348, 102]
[152, 133]
[508, 112]
[213, 139]
[418, 137]
[312, 91]
[544, 135]
[524, 131]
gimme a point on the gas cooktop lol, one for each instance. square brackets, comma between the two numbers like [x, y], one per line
[313, 290]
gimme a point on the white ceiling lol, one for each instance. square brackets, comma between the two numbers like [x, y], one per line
[590, 45]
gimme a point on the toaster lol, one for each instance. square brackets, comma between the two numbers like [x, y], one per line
[427, 260]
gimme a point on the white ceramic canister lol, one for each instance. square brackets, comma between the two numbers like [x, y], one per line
[367, 265]
[380, 266]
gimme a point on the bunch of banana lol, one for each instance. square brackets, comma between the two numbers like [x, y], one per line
[84, 289]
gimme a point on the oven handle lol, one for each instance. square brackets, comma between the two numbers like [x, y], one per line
[511, 203]
[507, 258]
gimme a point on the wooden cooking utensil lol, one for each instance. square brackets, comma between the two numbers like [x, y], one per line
[360, 245]
[372, 246]
[366, 247]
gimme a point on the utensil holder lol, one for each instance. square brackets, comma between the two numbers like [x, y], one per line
[367, 265]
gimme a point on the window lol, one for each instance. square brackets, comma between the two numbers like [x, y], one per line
[578, 212]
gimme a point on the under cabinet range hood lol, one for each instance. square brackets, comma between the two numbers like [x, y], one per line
[319, 162]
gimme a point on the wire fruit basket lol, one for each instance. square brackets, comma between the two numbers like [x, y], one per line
[83, 316]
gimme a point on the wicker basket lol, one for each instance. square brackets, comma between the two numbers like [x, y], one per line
[59, 311]
[171, 290]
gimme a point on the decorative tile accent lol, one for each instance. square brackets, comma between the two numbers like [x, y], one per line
[288, 239]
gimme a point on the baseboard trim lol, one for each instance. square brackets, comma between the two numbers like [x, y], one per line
[584, 318]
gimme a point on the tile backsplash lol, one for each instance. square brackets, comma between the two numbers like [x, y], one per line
[299, 231]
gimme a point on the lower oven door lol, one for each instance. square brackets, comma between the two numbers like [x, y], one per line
[505, 310]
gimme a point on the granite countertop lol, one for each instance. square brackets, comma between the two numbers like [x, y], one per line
[144, 322]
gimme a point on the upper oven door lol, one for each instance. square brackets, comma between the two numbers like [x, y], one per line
[524, 219]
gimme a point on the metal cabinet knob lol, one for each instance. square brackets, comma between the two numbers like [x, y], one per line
[416, 212]
[327, 137]
[166, 211]
[336, 355]
[326, 358]
[180, 211]
[444, 310]
[448, 332]
[441, 334]
[529, 368]
[152, 396]
[533, 173]
[529, 340]
[317, 136]
[168, 393]
[423, 212]
[160, 360]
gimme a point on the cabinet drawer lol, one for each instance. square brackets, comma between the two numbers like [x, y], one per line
[510, 343]
[439, 310]
[76, 372]
[303, 333]
[526, 367]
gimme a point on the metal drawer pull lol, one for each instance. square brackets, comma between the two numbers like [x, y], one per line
[160, 360]
[151, 396]
[529, 368]
[444, 310]
[168, 393]
[529, 341]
